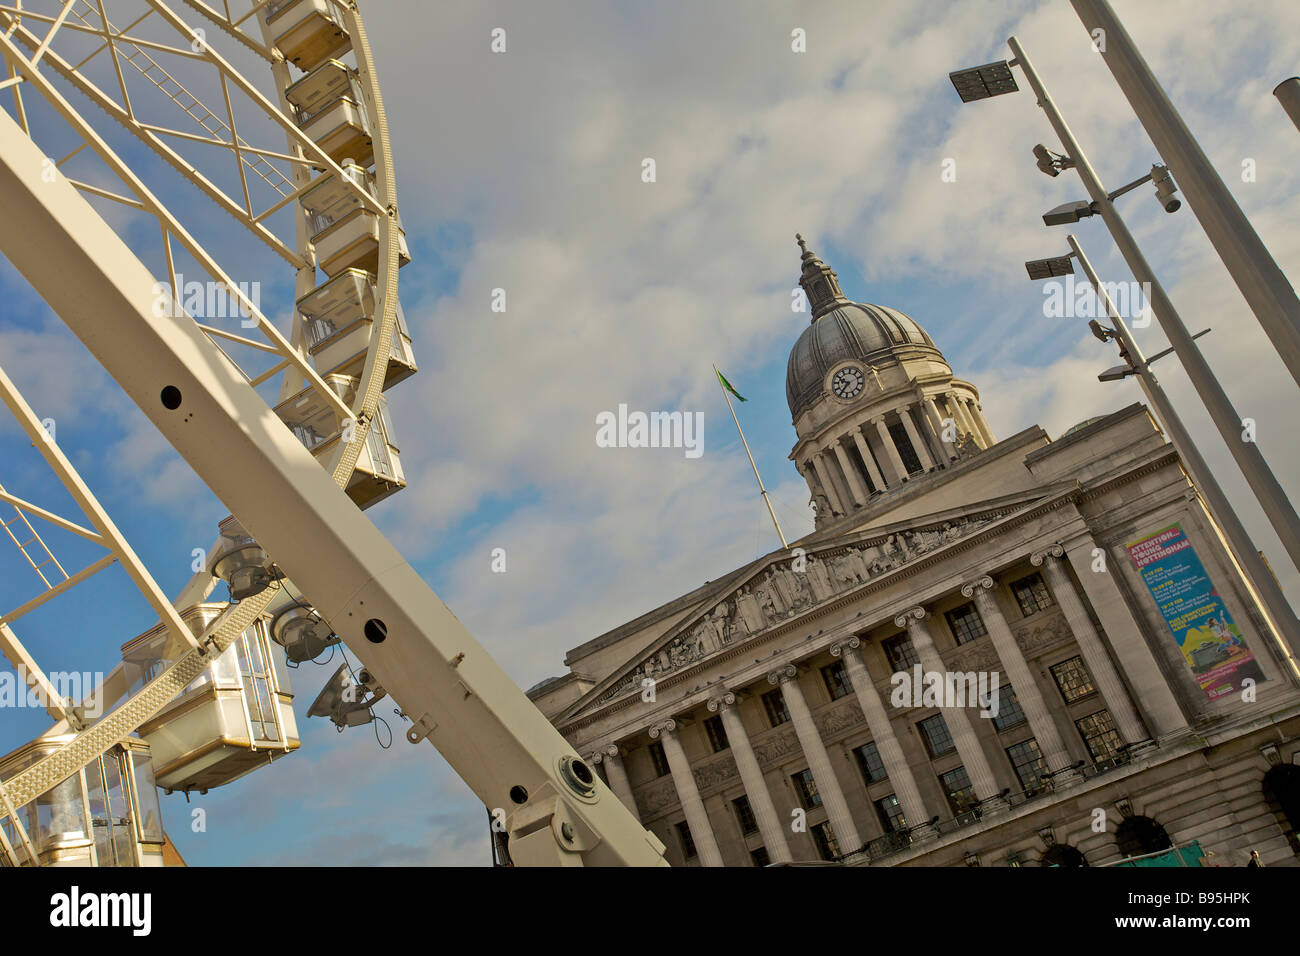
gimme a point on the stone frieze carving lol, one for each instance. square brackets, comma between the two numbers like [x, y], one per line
[653, 797]
[833, 720]
[779, 592]
[1034, 637]
[715, 772]
[776, 748]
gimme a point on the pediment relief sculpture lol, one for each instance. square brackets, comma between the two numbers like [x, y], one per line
[779, 592]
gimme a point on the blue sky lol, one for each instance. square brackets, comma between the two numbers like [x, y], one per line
[522, 171]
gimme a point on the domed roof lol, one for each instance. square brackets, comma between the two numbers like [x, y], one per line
[840, 330]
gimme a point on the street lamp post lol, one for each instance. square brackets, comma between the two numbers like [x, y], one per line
[1259, 278]
[1281, 515]
[1257, 576]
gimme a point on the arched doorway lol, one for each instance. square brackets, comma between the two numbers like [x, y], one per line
[1282, 791]
[1063, 856]
[1138, 836]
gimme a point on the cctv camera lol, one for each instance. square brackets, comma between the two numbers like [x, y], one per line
[1045, 162]
[1165, 188]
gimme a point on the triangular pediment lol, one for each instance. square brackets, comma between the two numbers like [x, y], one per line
[784, 585]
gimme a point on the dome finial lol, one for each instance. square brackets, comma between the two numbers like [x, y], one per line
[819, 282]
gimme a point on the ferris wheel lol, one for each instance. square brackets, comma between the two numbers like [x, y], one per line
[271, 111]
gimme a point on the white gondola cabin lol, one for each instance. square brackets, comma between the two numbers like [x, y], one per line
[307, 32]
[106, 814]
[345, 233]
[332, 112]
[340, 316]
[236, 716]
[378, 471]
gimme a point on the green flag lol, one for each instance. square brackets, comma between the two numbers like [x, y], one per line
[728, 386]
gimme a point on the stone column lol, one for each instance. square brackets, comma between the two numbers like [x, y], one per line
[819, 466]
[697, 818]
[919, 446]
[977, 414]
[1093, 650]
[960, 415]
[950, 450]
[850, 475]
[864, 449]
[882, 734]
[977, 419]
[751, 775]
[891, 452]
[617, 774]
[959, 725]
[1053, 748]
[819, 761]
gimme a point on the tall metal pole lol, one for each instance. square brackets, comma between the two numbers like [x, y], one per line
[1263, 284]
[1249, 459]
[766, 500]
[1288, 94]
[1257, 575]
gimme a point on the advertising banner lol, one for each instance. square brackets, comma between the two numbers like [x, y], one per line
[1207, 637]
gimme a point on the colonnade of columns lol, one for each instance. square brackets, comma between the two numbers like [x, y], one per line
[848, 481]
[1015, 671]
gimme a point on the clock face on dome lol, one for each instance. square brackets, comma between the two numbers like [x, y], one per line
[847, 383]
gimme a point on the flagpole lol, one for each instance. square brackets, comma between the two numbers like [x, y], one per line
[766, 500]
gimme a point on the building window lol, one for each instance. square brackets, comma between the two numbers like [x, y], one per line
[869, 762]
[806, 787]
[745, 815]
[837, 680]
[1009, 712]
[1031, 594]
[825, 840]
[1027, 761]
[934, 733]
[760, 857]
[966, 623]
[774, 704]
[684, 837]
[717, 734]
[958, 790]
[890, 812]
[1100, 736]
[658, 758]
[901, 654]
[1073, 680]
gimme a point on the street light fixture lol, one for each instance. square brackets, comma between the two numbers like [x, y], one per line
[1069, 213]
[981, 82]
[1050, 268]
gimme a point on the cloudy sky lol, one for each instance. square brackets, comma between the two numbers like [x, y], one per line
[522, 171]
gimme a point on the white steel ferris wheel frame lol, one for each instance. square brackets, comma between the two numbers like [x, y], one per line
[557, 810]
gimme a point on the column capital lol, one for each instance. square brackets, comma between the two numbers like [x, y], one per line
[668, 726]
[1038, 557]
[603, 752]
[847, 646]
[727, 699]
[980, 583]
[912, 616]
[783, 674]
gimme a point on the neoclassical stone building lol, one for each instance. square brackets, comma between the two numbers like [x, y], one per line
[1017, 652]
